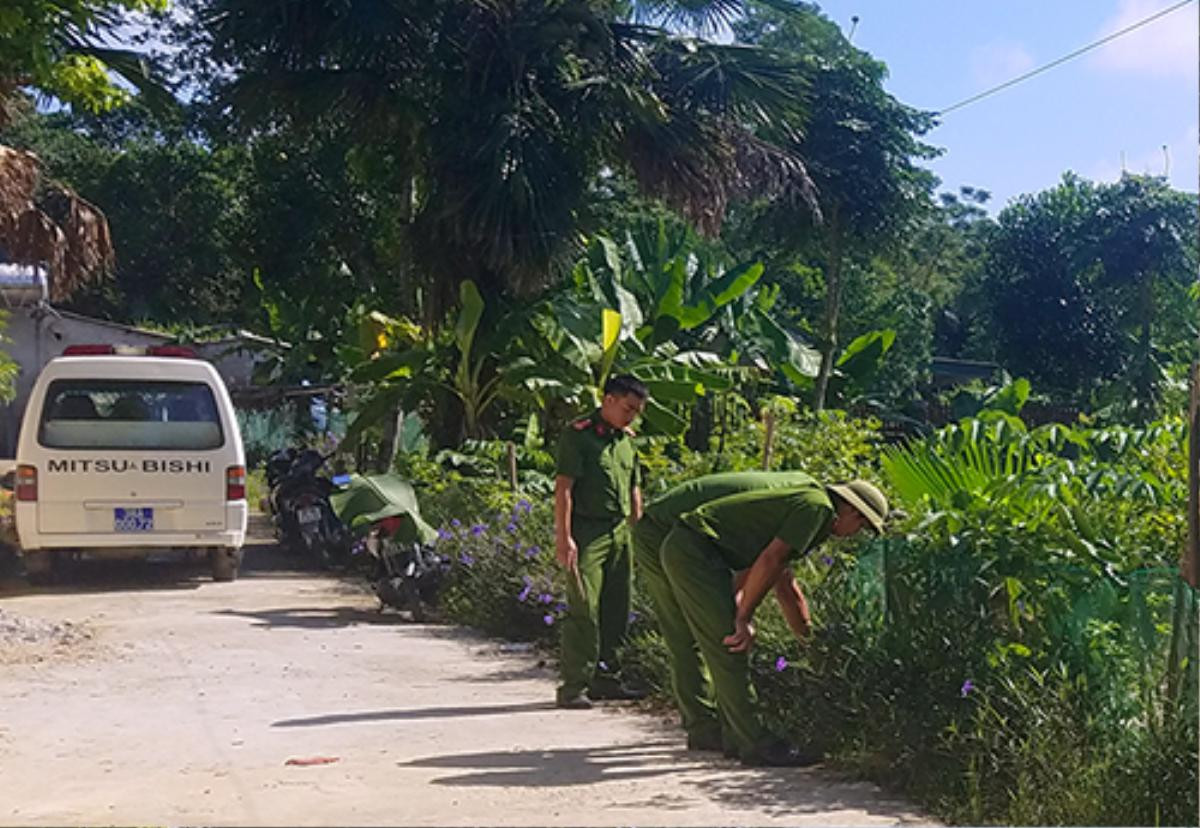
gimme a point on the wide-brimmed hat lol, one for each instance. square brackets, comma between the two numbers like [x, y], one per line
[868, 500]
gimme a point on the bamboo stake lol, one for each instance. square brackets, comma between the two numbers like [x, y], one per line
[769, 441]
[1191, 561]
[512, 465]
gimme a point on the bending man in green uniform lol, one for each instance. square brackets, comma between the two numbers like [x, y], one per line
[596, 499]
[689, 684]
[759, 531]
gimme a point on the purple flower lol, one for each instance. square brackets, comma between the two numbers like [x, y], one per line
[533, 551]
[827, 560]
[466, 559]
[456, 523]
[528, 589]
[548, 620]
[512, 527]
[478, 529]
[546, 598]
[967, 687]
[444, 535]
[634, 615]
[560, 606]
[524, 506]
[780, 664]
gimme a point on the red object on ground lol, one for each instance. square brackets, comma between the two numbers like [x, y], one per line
[313, 760]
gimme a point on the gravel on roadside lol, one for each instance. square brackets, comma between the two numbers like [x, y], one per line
[32, 639]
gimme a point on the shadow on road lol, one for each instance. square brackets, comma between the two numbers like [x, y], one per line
[85, 576]
[781, 791]
[161, 570]
[561, 767]
[316, 618]
[417, 713]
[785, 791]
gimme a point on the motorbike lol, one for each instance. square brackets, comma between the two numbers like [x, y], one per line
[395, 547]
[304, 519]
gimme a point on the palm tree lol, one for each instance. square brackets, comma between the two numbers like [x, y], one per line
[494, 118]
[59, 51]
[46, 224]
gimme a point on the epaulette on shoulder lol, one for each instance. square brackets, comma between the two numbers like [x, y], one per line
[580, 425]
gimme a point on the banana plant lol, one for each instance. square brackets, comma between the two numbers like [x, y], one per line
[584, 341]
[669, 289]
[423, 362]
[661, 302]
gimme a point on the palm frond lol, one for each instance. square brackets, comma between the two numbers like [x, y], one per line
[703, 17]
[139, 71]
[55, 228]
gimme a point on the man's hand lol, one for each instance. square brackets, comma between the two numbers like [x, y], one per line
[567, 552]
[794, 607]
[743, 636]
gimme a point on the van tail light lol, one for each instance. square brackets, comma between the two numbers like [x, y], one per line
[171, 351]
[130, 350]
[26, 488]
[235, 483]
[89, 350]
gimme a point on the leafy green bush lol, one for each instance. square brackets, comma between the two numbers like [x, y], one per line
[830, 446]
[1010, 657]
[503, 576]
[1017, 651]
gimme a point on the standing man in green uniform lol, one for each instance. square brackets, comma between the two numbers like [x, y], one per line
[597, 497]
[689, 684]
[759, 531]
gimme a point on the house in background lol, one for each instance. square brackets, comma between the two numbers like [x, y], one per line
[37, 333]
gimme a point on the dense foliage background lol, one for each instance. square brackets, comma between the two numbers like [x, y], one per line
[465, 235]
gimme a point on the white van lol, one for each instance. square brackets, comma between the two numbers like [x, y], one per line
[120, 455]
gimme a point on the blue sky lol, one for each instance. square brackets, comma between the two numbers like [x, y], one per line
[1124, 100]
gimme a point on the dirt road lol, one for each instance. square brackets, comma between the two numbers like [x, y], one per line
[169, 699]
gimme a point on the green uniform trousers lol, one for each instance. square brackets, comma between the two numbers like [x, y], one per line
[689, 679]
[700, 581]
[596, 620]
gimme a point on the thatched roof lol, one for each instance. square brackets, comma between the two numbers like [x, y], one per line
[45, 223]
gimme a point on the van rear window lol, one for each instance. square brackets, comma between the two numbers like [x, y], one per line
[130, 414]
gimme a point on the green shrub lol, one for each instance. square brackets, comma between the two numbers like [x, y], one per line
[830, 446]
[1002, 657]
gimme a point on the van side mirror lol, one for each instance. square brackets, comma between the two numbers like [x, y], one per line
[8, 480]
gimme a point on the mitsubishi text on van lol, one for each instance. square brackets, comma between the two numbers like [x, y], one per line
[121, 455]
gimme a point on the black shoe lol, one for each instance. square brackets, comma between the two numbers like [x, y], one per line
[579, 701]
[782, 754]
[606, 688]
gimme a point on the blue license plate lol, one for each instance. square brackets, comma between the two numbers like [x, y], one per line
[133, 520]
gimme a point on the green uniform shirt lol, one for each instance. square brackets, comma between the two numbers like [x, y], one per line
[603, 463]
[741, 525]
[667, 507]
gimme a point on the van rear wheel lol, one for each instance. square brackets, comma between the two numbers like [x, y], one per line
[225, 563]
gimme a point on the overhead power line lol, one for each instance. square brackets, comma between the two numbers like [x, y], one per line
[1082, 50]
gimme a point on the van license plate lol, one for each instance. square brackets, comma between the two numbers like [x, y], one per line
[309, 514]
[133, 520]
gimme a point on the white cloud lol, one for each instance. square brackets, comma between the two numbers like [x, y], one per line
[1167, 47]
[998, 62]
